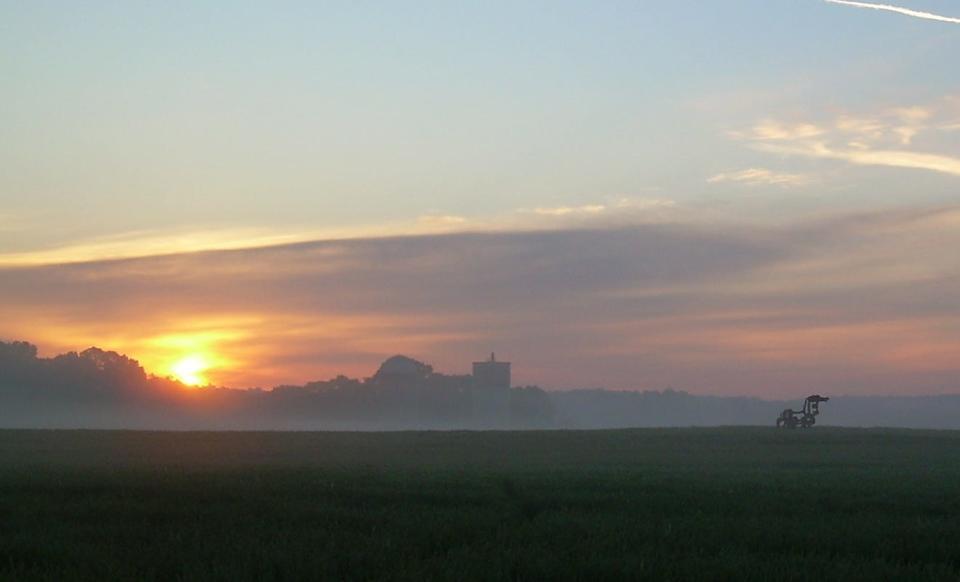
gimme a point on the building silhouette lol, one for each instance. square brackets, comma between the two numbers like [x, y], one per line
[492, 374]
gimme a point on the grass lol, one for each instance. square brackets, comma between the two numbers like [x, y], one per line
[713, 504]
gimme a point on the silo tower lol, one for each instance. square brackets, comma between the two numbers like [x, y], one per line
[492, 374]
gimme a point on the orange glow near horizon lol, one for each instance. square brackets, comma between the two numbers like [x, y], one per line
[194, 355]
[784, 319]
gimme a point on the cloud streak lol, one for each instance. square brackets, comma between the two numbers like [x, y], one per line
[897, 10]
[619, 211]
[761, 177]
[889, 158]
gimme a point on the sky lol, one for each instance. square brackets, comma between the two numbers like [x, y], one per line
[744, 197]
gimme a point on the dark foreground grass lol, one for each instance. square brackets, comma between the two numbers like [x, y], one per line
[724, 504]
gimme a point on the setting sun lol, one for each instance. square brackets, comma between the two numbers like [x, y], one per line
[189, 370]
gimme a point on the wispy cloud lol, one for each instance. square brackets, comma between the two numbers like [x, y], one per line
[771, 130]
[869, 138]
[608, 206]
[570, 210]
[898, 10]
[864, 157]
[158, 243]
[137, 244]
[761, 177]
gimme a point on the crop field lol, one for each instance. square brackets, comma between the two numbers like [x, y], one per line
[675, 504]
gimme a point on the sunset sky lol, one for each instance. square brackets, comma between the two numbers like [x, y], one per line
[741, 197]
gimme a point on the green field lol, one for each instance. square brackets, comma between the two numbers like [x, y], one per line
[723, 504]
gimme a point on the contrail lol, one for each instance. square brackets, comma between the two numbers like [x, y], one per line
[898, 10]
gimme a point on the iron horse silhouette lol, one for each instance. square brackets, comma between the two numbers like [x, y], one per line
[804, 418]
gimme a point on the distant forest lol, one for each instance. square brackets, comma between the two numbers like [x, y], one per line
[104, 389]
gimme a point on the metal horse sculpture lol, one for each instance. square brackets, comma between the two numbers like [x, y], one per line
[802, 418]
